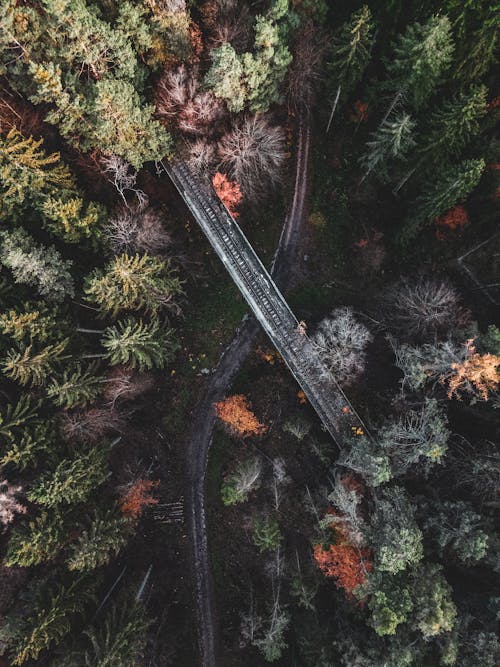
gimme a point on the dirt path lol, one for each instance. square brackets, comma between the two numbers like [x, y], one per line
[201, 433]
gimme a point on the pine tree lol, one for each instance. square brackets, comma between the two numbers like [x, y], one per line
[434, 610]
[26, 449]
[98, 543]
[26, 168]
[70, 218]
[421, 56]
[391, 141]
[265, 70]
[119, 641]
[16, 417]
[29, 367]
[453, 124]
[351, 51]
[32, 323]
[38, 540]
[76, 387]
[50, 619]
[73, 480]
[453, 183]
[139, 345]
[134, 283]
[33, 264]
[225, 77]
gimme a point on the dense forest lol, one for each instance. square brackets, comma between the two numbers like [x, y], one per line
[377, 548]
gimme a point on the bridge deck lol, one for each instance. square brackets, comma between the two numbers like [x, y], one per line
[267, 303]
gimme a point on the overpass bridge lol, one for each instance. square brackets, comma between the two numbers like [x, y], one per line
[267, 303]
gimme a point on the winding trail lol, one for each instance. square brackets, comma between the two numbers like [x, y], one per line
[201, 433]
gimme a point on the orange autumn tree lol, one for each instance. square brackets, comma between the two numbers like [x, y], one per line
[455, 218]
[347, 563]
[477, 374]
[229, 193]
[137, 498]
[236, 414]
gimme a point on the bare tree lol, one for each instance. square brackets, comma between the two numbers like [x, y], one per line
[280, 479]
[137, 228]
[200, 155]
[126, 384]
[180, 101]
[424, 308]
[91, 425]
[253, 153]
[123, 177]
[9, 505]
[341, 341]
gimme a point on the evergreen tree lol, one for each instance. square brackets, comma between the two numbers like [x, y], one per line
[391, 141]
[253, 79]
[394, 533]
[37, 541]
[33, 368]
[134, 283]
[76, 387]
[455, 530]
[421, 56]
[139, 345]
[119, 641]
[27, 448]
[32, 323]
[26, 167]
[225, 77]
[33, 264]
[266, 533]
[367, 460]
[107, 533]
[439, 194]
[73, 480]
[265, 70]
[68, 56]
[16, 417]
[50, 618]
[453, 124]
[351, 51]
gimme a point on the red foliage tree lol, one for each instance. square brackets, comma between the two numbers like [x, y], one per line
[229, 192]
[137, 498]
[235, 412]
[347, 563]
[454, 219]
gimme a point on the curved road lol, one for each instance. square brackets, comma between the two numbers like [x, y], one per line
[201, 433]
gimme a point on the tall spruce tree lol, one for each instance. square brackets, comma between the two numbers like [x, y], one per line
[49, 619]
[440, 193]
[421, 57]
[391, 141]
[139, 345]
[134, 283]
[38, 540]
[74, 479]
[100, 541]
[76, 387]
[36, 265]
[30, 367]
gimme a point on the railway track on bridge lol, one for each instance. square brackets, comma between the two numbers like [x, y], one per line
[267, 303]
